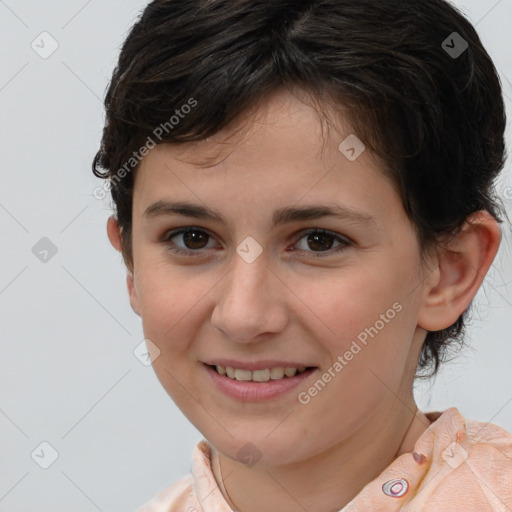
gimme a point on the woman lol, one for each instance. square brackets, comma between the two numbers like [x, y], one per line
[303, 195]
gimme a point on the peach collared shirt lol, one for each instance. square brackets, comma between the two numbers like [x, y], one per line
[458, 465]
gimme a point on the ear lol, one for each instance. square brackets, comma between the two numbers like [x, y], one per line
[114, 235]
[461, 269]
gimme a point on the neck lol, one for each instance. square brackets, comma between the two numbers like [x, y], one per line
[330, 480]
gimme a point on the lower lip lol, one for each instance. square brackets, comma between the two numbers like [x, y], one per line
[250, 391]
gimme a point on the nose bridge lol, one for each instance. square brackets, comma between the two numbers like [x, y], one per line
[247, 282]
[249, 268]
[248, 303]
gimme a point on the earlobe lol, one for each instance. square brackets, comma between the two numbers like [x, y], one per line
[462, 267]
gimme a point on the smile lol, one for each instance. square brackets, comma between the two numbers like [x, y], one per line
[258, 375]
[258, 384]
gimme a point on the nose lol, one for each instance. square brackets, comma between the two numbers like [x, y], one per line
[251, 301]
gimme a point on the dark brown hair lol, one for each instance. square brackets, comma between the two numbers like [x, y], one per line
[429, 107]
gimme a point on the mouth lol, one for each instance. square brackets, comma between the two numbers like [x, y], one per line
[260, 375]
[263, 381]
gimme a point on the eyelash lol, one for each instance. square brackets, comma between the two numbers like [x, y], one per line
[320, 254]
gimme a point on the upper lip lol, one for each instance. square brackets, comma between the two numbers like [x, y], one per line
[259, 365]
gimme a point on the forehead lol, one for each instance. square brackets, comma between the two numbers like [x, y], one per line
[280, 152]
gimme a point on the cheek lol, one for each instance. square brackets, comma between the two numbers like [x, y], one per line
[169, 303]
[366, 317]
[340, 307]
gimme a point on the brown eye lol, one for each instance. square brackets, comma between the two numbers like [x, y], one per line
[321, 241]
[193, 240]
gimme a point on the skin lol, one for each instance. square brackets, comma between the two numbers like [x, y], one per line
[292, 306]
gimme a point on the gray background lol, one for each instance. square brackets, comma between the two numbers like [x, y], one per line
[68, 375]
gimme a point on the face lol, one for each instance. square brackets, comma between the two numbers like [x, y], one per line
[338, 294]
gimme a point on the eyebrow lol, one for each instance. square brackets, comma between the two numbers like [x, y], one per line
[279, 217]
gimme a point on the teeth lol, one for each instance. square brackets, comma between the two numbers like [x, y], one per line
[243, 375]
[276, 373]
[290, 372]
[259, 375]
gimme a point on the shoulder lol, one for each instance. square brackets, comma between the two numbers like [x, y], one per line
[471, 463]
[474, 439]
[490, 454]
[177, 494]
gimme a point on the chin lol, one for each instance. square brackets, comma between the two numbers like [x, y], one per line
[252, 449]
